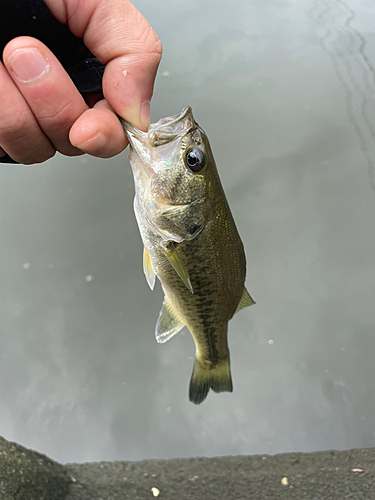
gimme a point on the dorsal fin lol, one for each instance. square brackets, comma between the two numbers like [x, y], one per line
[245, 301]
[168, 324]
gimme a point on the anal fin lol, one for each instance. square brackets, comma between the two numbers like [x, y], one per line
[168, 324]
[245, 301]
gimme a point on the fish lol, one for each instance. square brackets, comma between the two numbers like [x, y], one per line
[191, 243]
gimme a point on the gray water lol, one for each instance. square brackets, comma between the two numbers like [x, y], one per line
[286, 93]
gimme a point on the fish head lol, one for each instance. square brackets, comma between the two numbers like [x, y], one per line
[172, 164]
[161, 157]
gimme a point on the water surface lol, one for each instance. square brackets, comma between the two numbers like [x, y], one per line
[285, 91]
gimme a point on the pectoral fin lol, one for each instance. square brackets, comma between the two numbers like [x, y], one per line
[148, 269]
[172, 254]
[168, 324]
[245, 301]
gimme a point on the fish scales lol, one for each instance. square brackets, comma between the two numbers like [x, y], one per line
[191, 242]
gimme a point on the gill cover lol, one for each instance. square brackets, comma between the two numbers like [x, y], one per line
[168, 194]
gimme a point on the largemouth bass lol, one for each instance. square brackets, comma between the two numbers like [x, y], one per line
[190, 242]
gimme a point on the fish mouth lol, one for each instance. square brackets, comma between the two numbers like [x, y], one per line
[163, 131]
[173, 123]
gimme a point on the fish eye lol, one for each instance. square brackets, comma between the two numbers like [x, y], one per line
[195, 159]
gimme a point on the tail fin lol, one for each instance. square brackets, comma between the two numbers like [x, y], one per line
[217, 378]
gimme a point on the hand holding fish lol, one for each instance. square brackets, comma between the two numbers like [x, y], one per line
[42, 111]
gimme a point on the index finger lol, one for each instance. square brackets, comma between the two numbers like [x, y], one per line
[120, 37]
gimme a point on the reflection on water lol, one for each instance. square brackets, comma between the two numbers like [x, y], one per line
[346, 47]
[285, 92]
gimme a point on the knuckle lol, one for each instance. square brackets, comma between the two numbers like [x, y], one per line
[40, 157]
[15, 125]
[31, 153]
[21, 138]
[59, 119]
[150, 43]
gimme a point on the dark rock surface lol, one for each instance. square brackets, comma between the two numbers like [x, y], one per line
[27, 475]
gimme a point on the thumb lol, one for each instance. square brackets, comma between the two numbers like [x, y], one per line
[120, 37]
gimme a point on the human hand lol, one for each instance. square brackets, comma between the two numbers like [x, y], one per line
[42, 111]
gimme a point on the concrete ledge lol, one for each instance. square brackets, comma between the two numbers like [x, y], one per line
[27, 475]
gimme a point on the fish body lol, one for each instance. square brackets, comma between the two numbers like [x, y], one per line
[190, 242]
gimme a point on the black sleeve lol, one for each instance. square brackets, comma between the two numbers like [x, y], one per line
[32, 18]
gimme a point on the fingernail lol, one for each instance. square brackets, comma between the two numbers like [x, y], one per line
[95, 143]
[145, 114]
[28, 64]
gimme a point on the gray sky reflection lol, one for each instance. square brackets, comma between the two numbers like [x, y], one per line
[285, 91]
